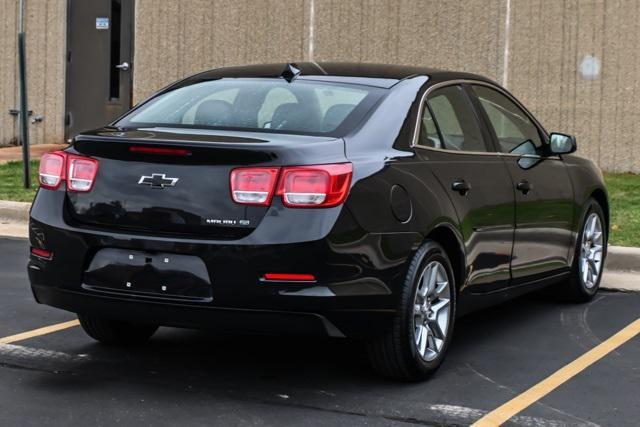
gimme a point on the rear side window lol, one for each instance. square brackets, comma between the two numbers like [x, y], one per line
[428, 132]
[263, 105]
[456, 120]
[510, 123]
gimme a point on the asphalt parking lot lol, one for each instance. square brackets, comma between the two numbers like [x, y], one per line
[198, 378]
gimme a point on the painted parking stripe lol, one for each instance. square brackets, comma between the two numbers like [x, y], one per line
[40, 331]
[516, 405]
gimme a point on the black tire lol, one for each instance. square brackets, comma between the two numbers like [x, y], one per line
[394, 354]
[575, 289]
[113, 332]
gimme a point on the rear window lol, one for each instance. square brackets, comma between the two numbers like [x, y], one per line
[263, 105]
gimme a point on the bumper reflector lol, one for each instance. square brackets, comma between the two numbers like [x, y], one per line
[289, 277]
[42, 253]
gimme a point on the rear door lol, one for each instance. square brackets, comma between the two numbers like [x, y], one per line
[459, 153]
[543, 190]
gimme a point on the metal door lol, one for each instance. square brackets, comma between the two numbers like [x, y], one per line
[99, 62]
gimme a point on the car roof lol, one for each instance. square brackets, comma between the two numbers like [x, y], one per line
[380, 75]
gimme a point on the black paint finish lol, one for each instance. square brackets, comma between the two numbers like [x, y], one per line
[502, 242]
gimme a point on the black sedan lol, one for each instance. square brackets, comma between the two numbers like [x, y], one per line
[365, 201]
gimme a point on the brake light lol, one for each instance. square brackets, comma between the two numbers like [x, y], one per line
[51, 172]
[160, 150]
[253, 186]
[57, 166]
[320, 186]
[81, 174]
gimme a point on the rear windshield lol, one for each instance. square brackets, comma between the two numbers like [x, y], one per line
[263, 105]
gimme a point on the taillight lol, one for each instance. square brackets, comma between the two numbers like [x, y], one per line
[253, 186]
[81, 173]
[57, 166]
[320, 186]
[52, 166]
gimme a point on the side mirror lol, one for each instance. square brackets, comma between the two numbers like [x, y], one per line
[560, 143]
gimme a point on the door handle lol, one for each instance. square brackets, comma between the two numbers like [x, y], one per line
[461, 186]
[524, 186]
[124, 66]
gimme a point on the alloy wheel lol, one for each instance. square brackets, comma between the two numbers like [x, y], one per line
[591, 251]
[431, 309]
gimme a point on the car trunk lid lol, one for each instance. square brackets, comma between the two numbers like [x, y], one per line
[173, 181]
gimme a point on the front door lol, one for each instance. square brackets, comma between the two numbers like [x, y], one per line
[543, 190]
[99, 63]
[459, 153]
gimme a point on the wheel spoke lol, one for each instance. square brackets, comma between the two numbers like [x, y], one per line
[433, 346]
[585, 269]
[441, 287]
[592, 227]
[424, 336]
[424, 282]
[442, 303]
[436, 329]
[433, 277]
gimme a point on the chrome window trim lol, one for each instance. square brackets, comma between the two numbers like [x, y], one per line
[423, 100]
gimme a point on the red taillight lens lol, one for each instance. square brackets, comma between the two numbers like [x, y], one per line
[81, 173]
[320, 186]
[253, 186]
[52, 166]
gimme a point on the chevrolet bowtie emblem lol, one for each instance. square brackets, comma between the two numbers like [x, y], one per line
[157, 180]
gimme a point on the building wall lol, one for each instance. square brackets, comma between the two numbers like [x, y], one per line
[45, 25]
[535, 46]
[176, 39]
[548, 40]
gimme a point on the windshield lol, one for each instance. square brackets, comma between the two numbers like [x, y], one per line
[265, 105]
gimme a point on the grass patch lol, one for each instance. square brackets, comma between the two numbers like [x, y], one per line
[624, 197]
[11, 182]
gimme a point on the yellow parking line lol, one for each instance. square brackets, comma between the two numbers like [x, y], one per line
[40, 331]
[519, 403]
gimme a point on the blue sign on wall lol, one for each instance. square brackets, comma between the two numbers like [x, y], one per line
[102, 23]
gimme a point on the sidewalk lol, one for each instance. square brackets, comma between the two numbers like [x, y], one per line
[10, 154]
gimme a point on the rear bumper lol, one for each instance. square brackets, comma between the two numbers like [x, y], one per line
[355, 292]
[192, 316]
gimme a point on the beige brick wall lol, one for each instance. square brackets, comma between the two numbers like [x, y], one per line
[546, 40]
[45, 24]
[175, 39]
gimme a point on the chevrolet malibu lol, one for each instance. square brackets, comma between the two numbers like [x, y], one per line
[372, 202]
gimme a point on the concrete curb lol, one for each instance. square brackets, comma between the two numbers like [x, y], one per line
[618, 257]
[623, 258]
[14, 211]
